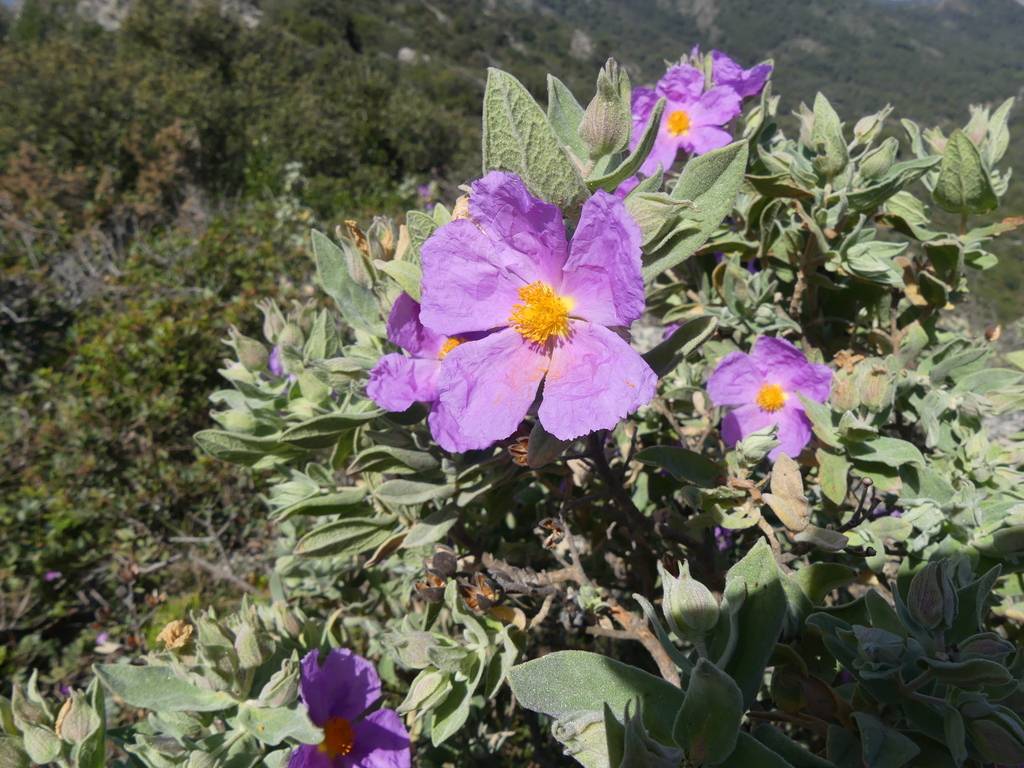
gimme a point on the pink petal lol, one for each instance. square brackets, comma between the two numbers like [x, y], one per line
[704, 138]
[397, 381]
[664, 151]
[681, 83]
[786, 365]
[794, 431]
[485, 390]
[406, 330]
[716, 107]
[309, 756]
[739, 423]
[469, 281]
[502, 205]
[602, 275]
[344, 686]
[595, 380]
[381, 741]
[642, 104]
[735, 380]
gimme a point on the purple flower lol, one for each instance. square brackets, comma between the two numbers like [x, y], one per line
[398, 381]
[692, 120]
[52, 576]
[274, 363]
[725, 539]
[550, 305]
[761, 389]
[102, 638]
[746, 82]
[337, 694]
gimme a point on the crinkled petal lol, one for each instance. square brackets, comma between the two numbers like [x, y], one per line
[704, 138]
[485, 389]
[735, 380]
[595, 380]
[746, 82]
[794, 430]
[504, 207]
[344, 686]
[681, 83]
[381, 741]
[469, 282]
[716, 107]
[663, 153]
[309, 756]
[602, 276]
[406, 330]
[397, 381]
[784, 364]
[739, 423]
[642, 104]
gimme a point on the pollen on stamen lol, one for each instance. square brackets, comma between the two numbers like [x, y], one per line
[542, 313]
[339, 738]
[771, 397]
[448, 346]
[678, 122]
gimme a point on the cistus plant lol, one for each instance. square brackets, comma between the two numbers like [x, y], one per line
[664, 444]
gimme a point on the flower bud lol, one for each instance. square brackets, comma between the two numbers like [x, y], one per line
[875, 384]
[236, 420]
[689, 607]
[282, 687]
[755, 446]
[867, 128]
[76, 719]
[251, 652]
[608, 119]
[251, 353]
[291, 336]
[176, 635]
[932, 599]
[878, 161]
[987, 645]
[997, 733]
[273, 320]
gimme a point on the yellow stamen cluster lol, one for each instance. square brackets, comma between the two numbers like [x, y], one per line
[542, 315]
[448, 346]
[339, 738]
[771, 398]
[678, 122]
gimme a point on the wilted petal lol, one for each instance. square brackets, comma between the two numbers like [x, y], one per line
[344, 686]
[397, 381]
[595, 380]
[381, 741]
[406, 330]
[504, 207]
[602, 275]
[746, 82]
[735, 380]
[794, 431]
[739, 423]
[485, 389]
[681, 83]
[469, 282]
[309, 756]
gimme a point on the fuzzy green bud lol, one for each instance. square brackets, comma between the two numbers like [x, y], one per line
[76, 719]
[932, 599]
[251, 353]
[879, 160]
[282, 687]
[291, 336]
[689, 607]
[755, 446]
[608, 119]
[273, 320]
[251, 652]
[996, 731]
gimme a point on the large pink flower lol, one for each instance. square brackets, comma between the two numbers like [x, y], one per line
[549, 306]
[761, 389]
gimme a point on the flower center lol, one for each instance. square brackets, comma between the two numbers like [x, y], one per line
[678, 122]
[542, 314]
[771, 397]
[339, 738]
[448, 346]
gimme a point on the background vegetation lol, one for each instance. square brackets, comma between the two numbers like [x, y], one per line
[158, 178]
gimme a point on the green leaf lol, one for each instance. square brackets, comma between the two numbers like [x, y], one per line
[11, 755]
[683, 464]
[405, 273]
[420, 227]
[754, 584]
[883, 747]
[451, 714]
[239, 449]
[567, 683]
[346, 538]
[788, 749]
[517, 137]
[565, 115]
[324, 431]
[712, 182]
[159, 689]
[339, 502]
[628, 167]
[751, 753]
[543, 447]
[41, 744]
[818, 579]
[887, 450]
[963, 185]
[827, 140]
[833, 471]
[357, 304]
[682, 341]
[969, 675]
[274, 725]
[409, 492]
[708, 723]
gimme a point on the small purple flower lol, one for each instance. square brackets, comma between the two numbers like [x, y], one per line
[761, 389]
[50, 576]
[725, 539]
[102, 638]
[551, 307]
[274, 363]
[746, 82]
[692, 120]
[398, 381]
[336, 694]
